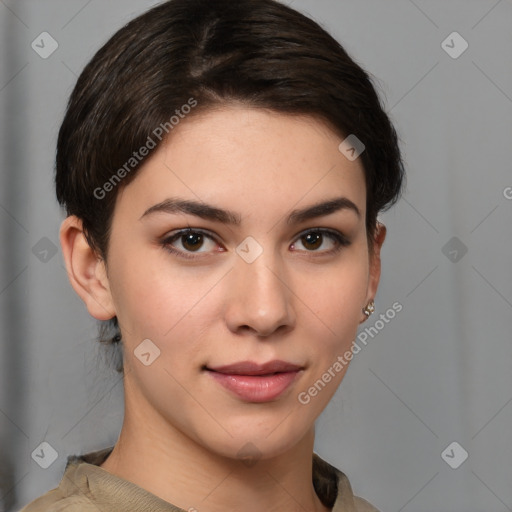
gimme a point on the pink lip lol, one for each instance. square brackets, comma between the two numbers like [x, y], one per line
[253, 382]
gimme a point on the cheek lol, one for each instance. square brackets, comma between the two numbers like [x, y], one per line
[148, 294]
[172, 307]
[331, 328]
[335, 296]
[331, 322]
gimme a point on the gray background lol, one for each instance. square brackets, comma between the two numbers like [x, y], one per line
[439, 372]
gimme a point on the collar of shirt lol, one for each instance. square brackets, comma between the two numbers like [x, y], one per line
[98, 489]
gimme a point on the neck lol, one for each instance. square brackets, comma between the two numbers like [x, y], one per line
[161, 459]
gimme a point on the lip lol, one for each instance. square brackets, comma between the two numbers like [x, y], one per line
[251, 368]
[253, 382]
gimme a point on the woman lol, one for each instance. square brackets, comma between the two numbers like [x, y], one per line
[222, 165]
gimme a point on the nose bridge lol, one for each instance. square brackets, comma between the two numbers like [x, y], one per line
[260, 300]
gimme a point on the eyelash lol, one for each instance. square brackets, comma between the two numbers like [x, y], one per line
[341, 241]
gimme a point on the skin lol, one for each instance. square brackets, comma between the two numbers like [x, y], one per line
[182, 431]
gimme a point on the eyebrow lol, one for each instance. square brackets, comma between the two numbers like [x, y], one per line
[209, 212]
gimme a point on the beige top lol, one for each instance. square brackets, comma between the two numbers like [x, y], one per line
[85, 487]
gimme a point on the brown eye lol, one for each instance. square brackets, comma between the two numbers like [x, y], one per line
[192, 241]
[321, 241]
[312, 240]
[186, 242]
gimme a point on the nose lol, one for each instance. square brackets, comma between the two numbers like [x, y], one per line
[260, 299]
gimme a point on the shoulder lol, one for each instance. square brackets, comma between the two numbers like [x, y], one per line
[54, 501]
[72, 493]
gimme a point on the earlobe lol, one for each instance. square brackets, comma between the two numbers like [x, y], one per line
[86, 270]
[375, 267]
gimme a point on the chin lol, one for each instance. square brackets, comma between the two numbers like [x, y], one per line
[251, 443]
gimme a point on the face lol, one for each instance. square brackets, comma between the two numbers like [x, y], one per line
[247, 293]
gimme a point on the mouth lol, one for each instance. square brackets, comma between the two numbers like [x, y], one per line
[253, 382]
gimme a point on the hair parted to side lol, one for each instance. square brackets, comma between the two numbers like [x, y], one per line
[260, 53]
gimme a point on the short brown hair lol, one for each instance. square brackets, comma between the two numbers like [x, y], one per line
[211, 52]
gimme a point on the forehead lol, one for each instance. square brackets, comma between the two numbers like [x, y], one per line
[251, 159]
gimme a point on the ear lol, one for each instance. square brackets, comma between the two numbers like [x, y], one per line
[375, 265]
[86, 270]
